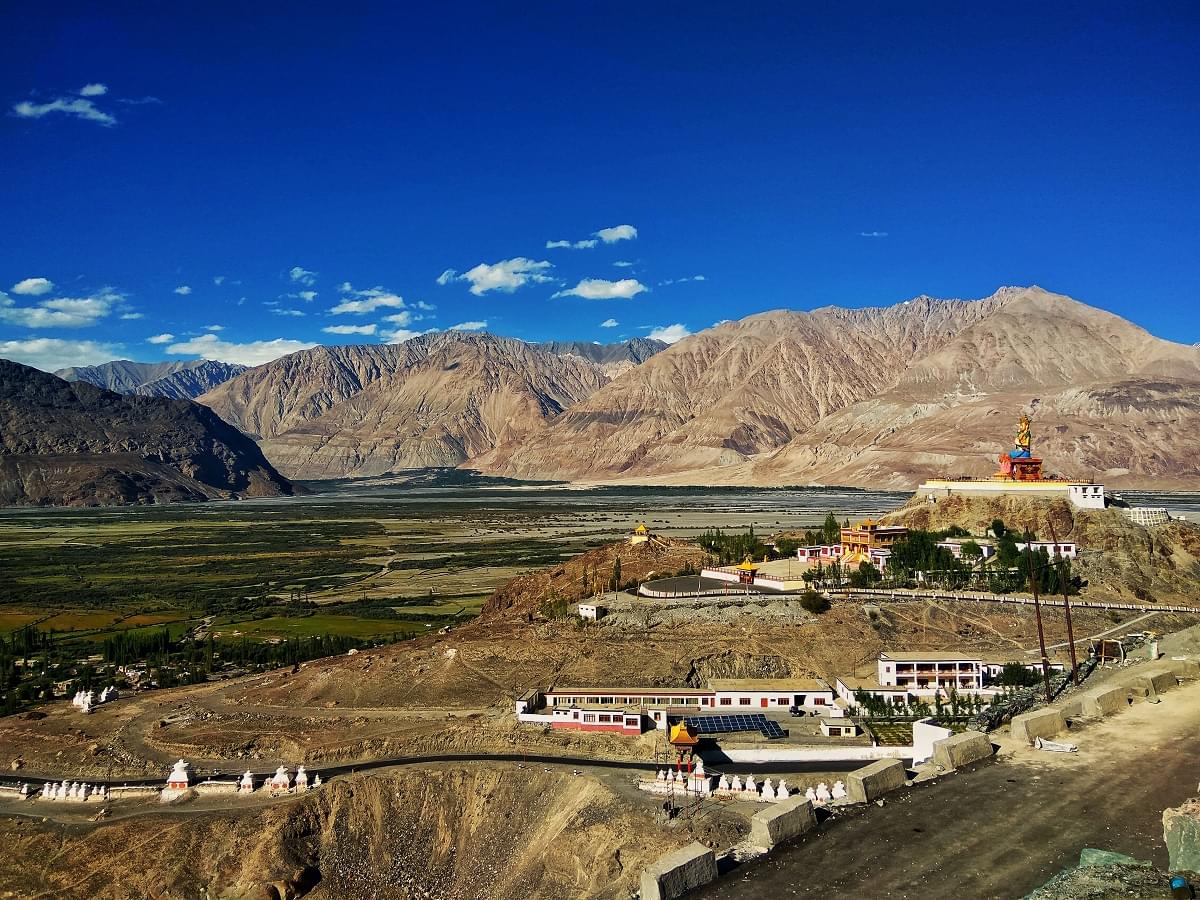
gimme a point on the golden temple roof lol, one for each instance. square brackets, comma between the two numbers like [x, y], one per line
[681, 734]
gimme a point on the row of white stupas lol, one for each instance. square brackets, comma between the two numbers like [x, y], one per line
[735, 789]
[86, 701]
[281, 782]
[74, 790]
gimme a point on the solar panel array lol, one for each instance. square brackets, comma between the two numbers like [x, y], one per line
[725, 724]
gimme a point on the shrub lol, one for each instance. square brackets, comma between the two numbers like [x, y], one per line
[814, 602]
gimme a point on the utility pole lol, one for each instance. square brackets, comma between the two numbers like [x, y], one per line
[1037, 610]
[1067, 608]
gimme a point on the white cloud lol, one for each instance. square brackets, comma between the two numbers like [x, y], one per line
[402, 318]
[349, 329]
[623, 264]
[602, 289]
[60, 312]
[421, 304]
[79, 107]
[49, 354]
[506, 275]
[616, 233]
[469, 326]
[93, 90]
[132, 316]
[214, 327]
[873, 234]
[609, 323]
[682, 280]
[295, 313]
[33, 287]
[165, 338]
[720, 322]
[302, 276]
[369, 302]
[183, 290]
[586, 244]
[669, 333]
[307, 296]
[218, 280]
[254, 353]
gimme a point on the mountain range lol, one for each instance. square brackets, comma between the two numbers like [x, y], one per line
[876, 397]
[178, 380]
[74, 444]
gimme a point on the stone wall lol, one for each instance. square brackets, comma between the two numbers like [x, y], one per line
[873, 781]
[785, 820]
[678, 872]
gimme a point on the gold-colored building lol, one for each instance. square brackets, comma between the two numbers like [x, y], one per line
[859, 540]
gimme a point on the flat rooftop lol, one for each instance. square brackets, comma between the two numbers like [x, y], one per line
[768, 684]
[629, 691]
[929, 656]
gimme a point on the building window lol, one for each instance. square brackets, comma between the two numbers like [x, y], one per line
[743, 701]
[783, 701]
[727, 701]
[589, 717]
[818, 701]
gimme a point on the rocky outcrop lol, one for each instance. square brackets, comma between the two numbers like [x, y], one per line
[74, 444]
[1181, 831]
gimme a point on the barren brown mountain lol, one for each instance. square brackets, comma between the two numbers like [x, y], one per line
[74, 444]
[886, 397]
[447, 398]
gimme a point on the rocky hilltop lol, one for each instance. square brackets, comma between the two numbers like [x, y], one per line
[886, 397]
[449, 398]
[179, 380]
[73, 444]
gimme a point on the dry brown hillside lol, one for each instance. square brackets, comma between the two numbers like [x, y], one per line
[451, 397]
[887, 397]
[489, 833]
[1120, 561]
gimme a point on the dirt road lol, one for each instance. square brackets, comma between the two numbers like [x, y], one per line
[1005, 828]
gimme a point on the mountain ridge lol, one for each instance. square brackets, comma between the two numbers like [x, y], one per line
[74, 444]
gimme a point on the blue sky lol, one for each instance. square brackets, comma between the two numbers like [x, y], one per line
[280, 171]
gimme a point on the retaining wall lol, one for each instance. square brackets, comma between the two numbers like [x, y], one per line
[678, 872]
[873, 781]
[785, 820]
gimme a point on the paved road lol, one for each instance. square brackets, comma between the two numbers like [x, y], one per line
[327, 772]
[1005, 828]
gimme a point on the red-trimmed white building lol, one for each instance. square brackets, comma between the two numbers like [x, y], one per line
[633, 710]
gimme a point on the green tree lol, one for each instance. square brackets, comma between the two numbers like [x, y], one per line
[831, 531]
[814, 602]
[865, 575]
[998, 529]
[616, 576]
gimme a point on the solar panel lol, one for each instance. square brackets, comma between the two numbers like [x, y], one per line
[734, 723]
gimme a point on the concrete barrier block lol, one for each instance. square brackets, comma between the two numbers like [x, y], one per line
[1150, 682]
[1041, 723]
[962, 749]
[1184, 668]
[1104, 701]
[1071, 709]
[678, 872]
[782, 821]
[870, 782]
